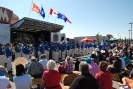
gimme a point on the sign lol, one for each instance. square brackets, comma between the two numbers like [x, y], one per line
[55, 37]
[5, 15]
[4, 33]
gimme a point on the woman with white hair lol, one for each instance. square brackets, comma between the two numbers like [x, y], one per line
[51, 77]
[85, 80]
[69, 65]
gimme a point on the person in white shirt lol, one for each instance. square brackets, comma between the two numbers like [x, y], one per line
[22, 80]
[4, 81]
[43, 61]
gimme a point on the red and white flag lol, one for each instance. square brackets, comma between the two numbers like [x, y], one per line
[52, 12]
[36, 8]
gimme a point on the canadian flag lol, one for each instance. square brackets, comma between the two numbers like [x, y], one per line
[52, 12]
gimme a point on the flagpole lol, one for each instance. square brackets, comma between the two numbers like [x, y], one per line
[55, 20]
[48, 16]
[30, 8]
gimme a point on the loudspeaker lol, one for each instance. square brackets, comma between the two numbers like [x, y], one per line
[67, 39]
[62, 38]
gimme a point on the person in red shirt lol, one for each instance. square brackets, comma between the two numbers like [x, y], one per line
[104, 77]
[61, 67]
[51, 77]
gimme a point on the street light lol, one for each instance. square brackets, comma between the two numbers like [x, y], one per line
[131, 29]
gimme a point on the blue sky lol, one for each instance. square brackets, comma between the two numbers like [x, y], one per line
[88, 17]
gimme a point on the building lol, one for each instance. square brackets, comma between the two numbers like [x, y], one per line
[26, 29]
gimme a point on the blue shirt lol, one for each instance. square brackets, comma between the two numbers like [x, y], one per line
[41, 49]
[1, 51]
[17, 49]
[72, 46]
[25, 50]
[63, 47]
[8, 52]
[46, 47]
[53, 47]
[68, 47]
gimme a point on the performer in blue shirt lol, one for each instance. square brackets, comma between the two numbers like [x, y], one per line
[17, 50]
[78, 49]
[41, 49]
[25, 51]
[47, 49]
[53, 50]
[68, 49]
[63, 50]
[8, 56]
[2, 56]
[72, 49]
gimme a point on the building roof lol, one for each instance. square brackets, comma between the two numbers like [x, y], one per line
[33, 25]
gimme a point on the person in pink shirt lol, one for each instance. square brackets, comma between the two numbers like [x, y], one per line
[93, 67]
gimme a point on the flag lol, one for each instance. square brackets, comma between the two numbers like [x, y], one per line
[36, 8]
[67, 19]
[42, 13]
[52, 12]
[61, 16]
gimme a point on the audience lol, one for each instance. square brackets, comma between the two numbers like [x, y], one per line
[77, 64]
[93, 67]
[69, 65]
[35, 68]
[61, 67]
[43, 61]
[4, 81]
[51, 77]
[104, 77]
[21, 79]
[85, 80]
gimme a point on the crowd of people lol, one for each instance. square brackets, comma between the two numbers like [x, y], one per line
[96, 70]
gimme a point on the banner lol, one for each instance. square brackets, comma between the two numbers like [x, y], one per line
[55, 37]
[4, 33]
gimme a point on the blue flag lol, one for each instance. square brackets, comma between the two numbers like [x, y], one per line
[42, 13]
[61, 16]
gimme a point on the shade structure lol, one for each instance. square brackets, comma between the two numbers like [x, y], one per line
[87, 39]
[113, 39]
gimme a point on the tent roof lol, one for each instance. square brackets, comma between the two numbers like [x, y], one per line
[33, 25]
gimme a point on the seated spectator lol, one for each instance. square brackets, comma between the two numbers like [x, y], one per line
[35, 68]
[21, 79]
[77, 64]
[116, 66]
[61, 68]
[94, 59]
[126, 58]
[3, 71]
[69, 65]
[93, 67]
[104, 77]
[4, 81]
[51, 77]
[43, 61]
[85, 80]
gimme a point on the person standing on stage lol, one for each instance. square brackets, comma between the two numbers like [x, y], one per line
[56, 53]
[53, 50]
[17, 51]
[25, 51]
[41, 49]
[2, 56]
[72, 49]
[63, 50]
[8, 56]
[82, 49]
[78, 49]
[68, 49]
[47, 49]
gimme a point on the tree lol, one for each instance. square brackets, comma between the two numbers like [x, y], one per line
[125, 39]
[97, 37]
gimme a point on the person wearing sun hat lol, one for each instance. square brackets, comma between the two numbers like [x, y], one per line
[93, 67]
[35, 69]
